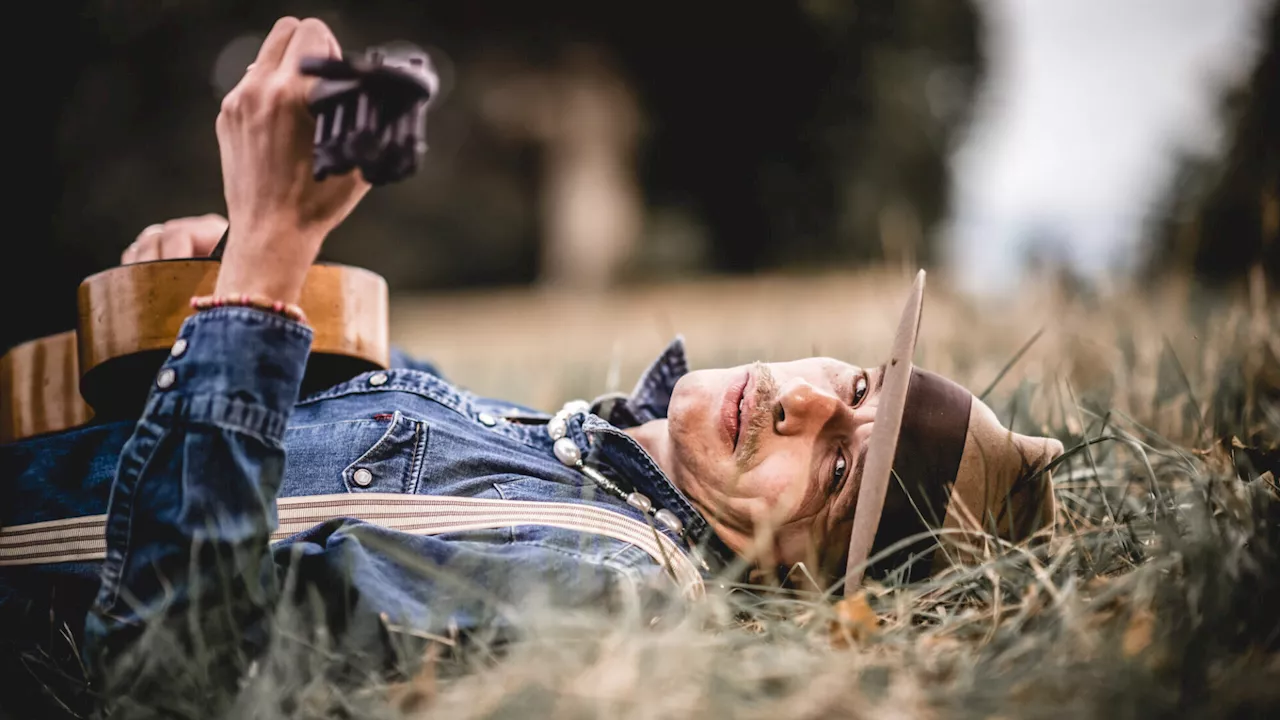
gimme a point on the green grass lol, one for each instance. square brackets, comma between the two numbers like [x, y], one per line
[1159, 597]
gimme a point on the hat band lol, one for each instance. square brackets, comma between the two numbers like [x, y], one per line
[935, 424]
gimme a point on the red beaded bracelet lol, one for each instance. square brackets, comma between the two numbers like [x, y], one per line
[289, 310]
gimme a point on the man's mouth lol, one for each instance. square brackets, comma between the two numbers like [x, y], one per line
[733, 409]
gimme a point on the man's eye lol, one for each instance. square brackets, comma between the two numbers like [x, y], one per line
[838, 470]
[859, 390]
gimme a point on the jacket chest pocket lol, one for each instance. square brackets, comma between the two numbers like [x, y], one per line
[380, 454]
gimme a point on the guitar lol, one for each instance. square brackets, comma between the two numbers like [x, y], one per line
[370, 114]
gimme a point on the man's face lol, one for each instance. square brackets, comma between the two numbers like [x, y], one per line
[778, 446]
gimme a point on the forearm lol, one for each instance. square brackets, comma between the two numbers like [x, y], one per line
[193, 504]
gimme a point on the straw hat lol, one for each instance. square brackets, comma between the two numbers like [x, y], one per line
[942, 475]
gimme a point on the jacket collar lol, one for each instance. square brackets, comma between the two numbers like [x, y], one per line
[651, 396]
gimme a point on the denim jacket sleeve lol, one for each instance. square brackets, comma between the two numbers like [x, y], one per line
[193, 504]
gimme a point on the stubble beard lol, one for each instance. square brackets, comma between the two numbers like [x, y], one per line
[766, 390]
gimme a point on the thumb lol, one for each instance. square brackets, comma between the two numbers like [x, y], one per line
[206, 232]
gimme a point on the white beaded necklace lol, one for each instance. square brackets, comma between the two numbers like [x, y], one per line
[568, 452]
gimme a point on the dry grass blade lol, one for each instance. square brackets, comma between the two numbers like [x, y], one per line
[1009, 365]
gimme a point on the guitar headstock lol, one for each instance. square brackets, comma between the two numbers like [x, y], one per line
[371, 112]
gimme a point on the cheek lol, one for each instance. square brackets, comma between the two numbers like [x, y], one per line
[810, 542]
[780, 484]
[686, 424]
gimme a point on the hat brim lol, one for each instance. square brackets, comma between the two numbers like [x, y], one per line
[883, 443]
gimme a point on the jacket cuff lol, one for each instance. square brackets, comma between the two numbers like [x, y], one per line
[234, 367]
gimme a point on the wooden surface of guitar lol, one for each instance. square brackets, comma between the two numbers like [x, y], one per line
[139, 307]
[129, 317]
[39, 388]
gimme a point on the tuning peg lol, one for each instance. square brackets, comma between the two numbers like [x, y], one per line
[370, 112]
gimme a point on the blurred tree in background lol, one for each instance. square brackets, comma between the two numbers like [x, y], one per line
[756, 135]
[1221, 219]
[897, 106]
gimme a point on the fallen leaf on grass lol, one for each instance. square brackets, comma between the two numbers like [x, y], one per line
[855, 620]
[1223, 453]
[1137, 636]
[416, 694]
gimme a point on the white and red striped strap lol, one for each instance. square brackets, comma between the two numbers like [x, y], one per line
[83, 538]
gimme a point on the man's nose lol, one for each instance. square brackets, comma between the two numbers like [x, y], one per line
[806, 408]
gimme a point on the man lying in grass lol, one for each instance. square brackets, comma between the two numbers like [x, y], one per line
[398, 498]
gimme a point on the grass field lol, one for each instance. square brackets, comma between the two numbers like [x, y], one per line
[1159, 597]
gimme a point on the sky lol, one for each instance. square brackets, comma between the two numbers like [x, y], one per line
[1072, 141]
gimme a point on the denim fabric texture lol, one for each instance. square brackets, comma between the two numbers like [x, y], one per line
[189, 492]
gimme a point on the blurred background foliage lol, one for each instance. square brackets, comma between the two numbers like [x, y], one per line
[760, 135]
[710, 138]
[1221, 216]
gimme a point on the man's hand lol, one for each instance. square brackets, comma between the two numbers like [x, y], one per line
[279, 214]
[186, 237]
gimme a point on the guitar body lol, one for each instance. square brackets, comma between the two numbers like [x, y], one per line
[39, 382]
[129, 316]
[128, 319]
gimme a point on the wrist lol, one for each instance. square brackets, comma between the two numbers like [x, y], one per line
[260, 302]
[267, 263]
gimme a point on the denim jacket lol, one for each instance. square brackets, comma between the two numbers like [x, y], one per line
[230, 493]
